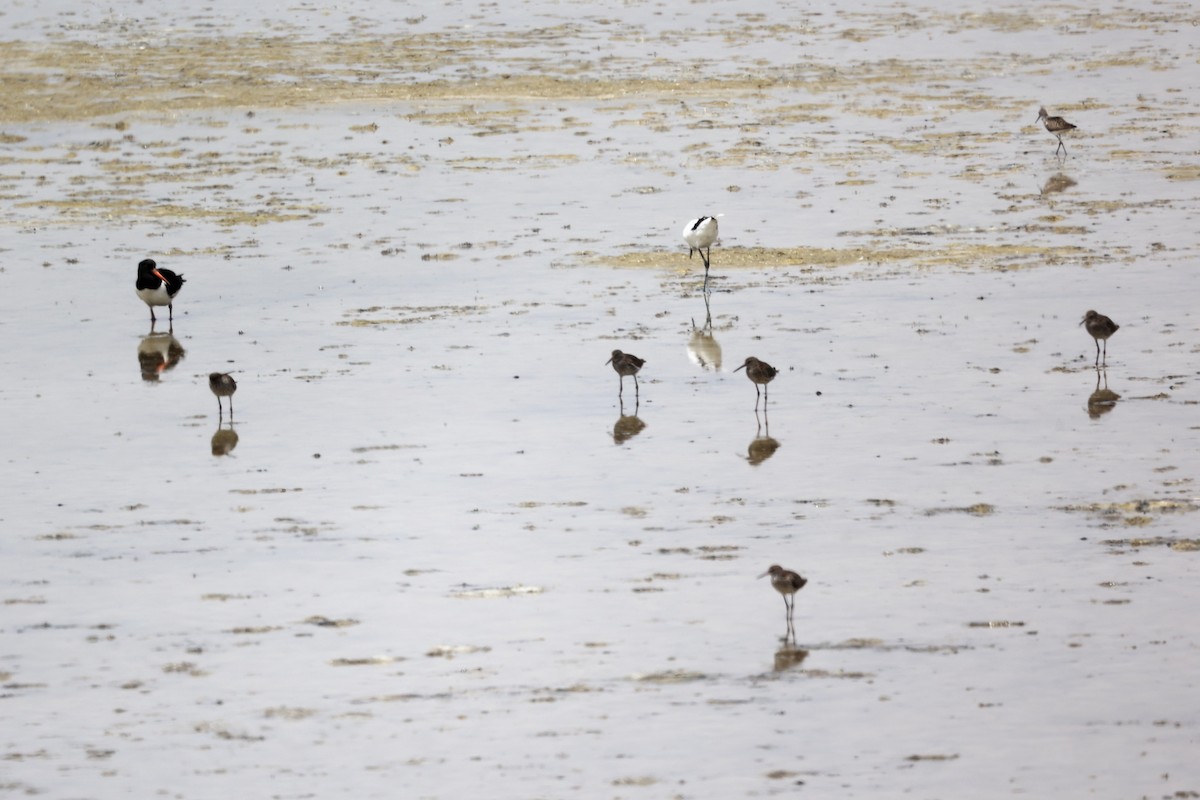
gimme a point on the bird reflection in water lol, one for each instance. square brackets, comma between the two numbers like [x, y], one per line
[626, 427]
[158, 353]
[1101, 400]
[703, 348]
[789, 656]
[762, 446]
[1056, 183]
[224, 440]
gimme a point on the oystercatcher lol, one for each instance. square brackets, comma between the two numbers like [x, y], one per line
[158, 287]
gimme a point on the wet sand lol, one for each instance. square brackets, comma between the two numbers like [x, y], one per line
[433, 552]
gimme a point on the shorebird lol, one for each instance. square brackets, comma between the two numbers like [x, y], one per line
[761, 373]
[1056, 125]
[158, 287]
[699, 235]
[1099, 327]
[626, 364]
[787, 583]
[222, 385]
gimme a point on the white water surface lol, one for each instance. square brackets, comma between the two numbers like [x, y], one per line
[436, 563]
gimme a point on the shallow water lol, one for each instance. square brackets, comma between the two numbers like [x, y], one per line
[438, 552]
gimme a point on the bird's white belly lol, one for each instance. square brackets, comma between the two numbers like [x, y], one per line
[155, 297]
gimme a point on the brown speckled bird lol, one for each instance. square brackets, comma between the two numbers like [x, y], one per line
[787, 583]
[1099, 327]
[1056, 125]
[222, 385]
[626, 364]
[761, 373]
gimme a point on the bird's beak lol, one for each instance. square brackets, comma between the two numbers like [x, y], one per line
[765, 574]
[743, 366]
[158, 275]
[1083, 320]
[609, 360]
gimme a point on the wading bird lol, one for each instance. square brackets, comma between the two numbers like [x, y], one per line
[1056, 125]
[626, 364]
[158, 287]
[761, 373]
[1099, 327]
[699, 235]
[787, 583]
[222, 385]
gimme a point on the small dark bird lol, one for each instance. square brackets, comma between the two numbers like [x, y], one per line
[761, 373]
[699, 234]
[787, 583]
[158, 287]
[1099, 327]
[222, 385]
[626, 364]
[1056, 125]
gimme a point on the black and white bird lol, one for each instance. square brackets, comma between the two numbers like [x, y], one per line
[158, 287]
[699, 234]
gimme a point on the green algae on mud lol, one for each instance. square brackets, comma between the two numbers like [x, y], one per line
[74, 80]
[115, 208]
[79, 80]
[1171, 542]
[407, 315]
[962, 255]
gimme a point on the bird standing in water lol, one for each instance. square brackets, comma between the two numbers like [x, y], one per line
[626, 364]
[222, 385]
[787, 583]
[1056, 125]
[158, 287]
[700, 234]
[761, 373]
[1099, 327]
